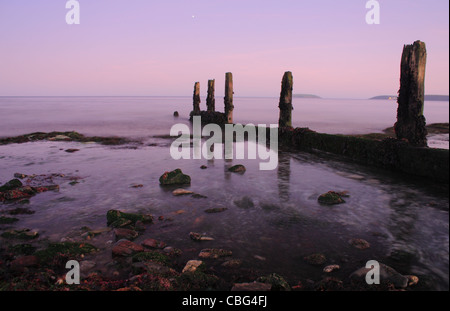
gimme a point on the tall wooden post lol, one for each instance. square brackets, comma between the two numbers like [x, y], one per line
[229, 97]
[285, 105]
[196, 99]
[210, 99]
[411, 122]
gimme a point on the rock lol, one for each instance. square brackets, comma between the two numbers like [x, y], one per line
[172, 251]
[176, 114]
[330, 198]
[245, 202]
[151, 267]
[178, 192]
[278, 282]
[315, 259]
[20, 264]
[215, 210]
[118, 219]
[20, 211]
[259, 257]
[15, 195]
[359, 243]
[214, 253]
[239, 168]
[152, 243]
[192, 266]
[72, 150]
[386, 274]
[125, 248]
[11, 185]
[203, 167]
[60, 137]
[175, 177]
[23, 234]
[129, 289]
[199, 237]
[7, 220]
[199, 196]
[20, 176]
[233, 263]
[252, 287]
[137, 186]
[122, 233]
[331, 268]
[412, 280]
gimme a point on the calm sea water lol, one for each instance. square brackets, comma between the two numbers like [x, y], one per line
[401, 217]
[147, 116]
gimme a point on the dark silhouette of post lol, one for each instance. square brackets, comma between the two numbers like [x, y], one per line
[196, 99]
[210, 99]
[411, 122]
[229, 97]
[286, 100]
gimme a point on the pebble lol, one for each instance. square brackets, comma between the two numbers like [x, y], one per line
[192, 266]
[331, 268]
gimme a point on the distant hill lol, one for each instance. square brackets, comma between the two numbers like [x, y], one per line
[427, 97]
[305, 96]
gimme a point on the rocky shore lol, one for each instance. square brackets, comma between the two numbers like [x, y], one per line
[28, 262]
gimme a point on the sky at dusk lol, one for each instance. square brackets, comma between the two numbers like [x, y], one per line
[146, 47]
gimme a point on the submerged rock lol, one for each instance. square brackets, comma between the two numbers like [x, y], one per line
[387, 274]
[331, 268]
[277, 282]
[216, 210]
[122, 233]
[7, 220]
[239, 168]
[152, 243]
[125, 248]
[359, 243]
[315, 259]
[245, 202]
[175, 177]
[214, 253]
[330, 198]
[118, 219]
[251, 287]
[199, 237]
[179, 192]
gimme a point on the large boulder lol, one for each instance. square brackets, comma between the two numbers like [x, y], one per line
[175, 177]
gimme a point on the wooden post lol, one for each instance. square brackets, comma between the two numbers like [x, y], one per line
[229, 97]
[286, 100]
[411, 122]
[210, 99]
[196, 99]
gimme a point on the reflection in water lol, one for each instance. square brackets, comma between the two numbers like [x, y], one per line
[284, 174]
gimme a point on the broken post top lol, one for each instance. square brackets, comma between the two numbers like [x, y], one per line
[196, 98]
[210, 99]
[287, 85]
[411, 122]
[228, 100]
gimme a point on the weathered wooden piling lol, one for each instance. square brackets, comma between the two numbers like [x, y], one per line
[229, 97]
[196, 98]
[210, 99]
[411, 122]
[285, 105]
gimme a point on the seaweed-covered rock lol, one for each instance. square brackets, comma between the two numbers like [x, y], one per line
[11, 185]
[118, 219]
[7, 220]
[277, 281]
[22, 234]
[331, 198]
[72, 250]
[175, 177]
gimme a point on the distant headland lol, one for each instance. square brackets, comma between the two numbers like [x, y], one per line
[427, 97]
[305, 96]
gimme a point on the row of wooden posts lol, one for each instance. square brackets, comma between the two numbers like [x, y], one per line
[410, 125]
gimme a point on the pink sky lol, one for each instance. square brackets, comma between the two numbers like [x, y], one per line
[142, 47]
